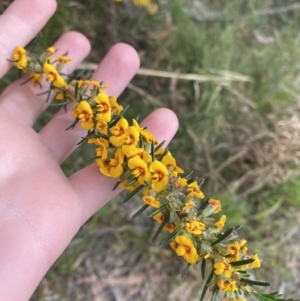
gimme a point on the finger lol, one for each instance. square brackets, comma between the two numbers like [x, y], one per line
[94, 189]
[116, 70]
[22, 102]
[21, 21]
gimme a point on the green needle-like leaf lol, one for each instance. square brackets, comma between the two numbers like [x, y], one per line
[157, 210]
[203, 205]
[169, 237]
[117, 117]
[203, 266]
[253, 282]
[226, 234]
[185, 271]
[140, 211]
[271, 297]
[116, 185]
[130, 195]
[160, 145]
[166, 220]
[152, 151]
[210, 277]
[242, 262]
[215, 294]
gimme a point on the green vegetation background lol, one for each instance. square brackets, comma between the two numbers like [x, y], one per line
[239, 130]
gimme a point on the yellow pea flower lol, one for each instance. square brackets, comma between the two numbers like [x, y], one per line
[118, 132]
[101, 125]
[242, 244]
[150, 200]
[223, 267]
[50, 50]
[159, 177]
[116, 168]
[63, 59]
[84, 113]
[139, 169]
[169, 161]
[256, 263]
[188, 205]
[195, 227]
[216, 204]
[181, 182]
[193, 190]
[233, 250]
[115, 107]
[219, 224]
[53, 76]
[20, 58]
[103, 106]
[170, 227]
[184, 247]
[36, 78]
[227, 285]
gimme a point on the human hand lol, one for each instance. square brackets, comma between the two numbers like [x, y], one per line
[40, 208]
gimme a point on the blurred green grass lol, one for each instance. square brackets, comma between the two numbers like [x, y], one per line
[224, 120]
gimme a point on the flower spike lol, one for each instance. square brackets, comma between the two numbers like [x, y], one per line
[132, 155]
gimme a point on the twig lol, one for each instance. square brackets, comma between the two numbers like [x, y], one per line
[224, 78]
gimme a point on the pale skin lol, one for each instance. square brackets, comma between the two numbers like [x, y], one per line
[40, 208]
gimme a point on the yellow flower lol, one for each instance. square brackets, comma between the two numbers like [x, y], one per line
[181, 182]
[242, 244]
[116, 168]
[193, 190]
[139, 169]
[159, 217]
[233, 251]
[223, 267]
[98, 141]
[101, 153]
[118, 132]
[84, 113]
[227, 285]
[131, 187]
[152, 8]
[188, 205]
[115, 107]
[113, 167]
[216, 204]
[50, 50]
[144, 133]
[219, 224]
[145, 156]
[160, 177]
[131, 139]
[103, 106]
[20, 58]
[194, 227]
[169, 161]
[83, 83]
[150, 200]
[53, 76]
[170, 227]
[63, 59]
[101, 125]
[36, 78]
[140, 2]
[184, 246]
[256, 263]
